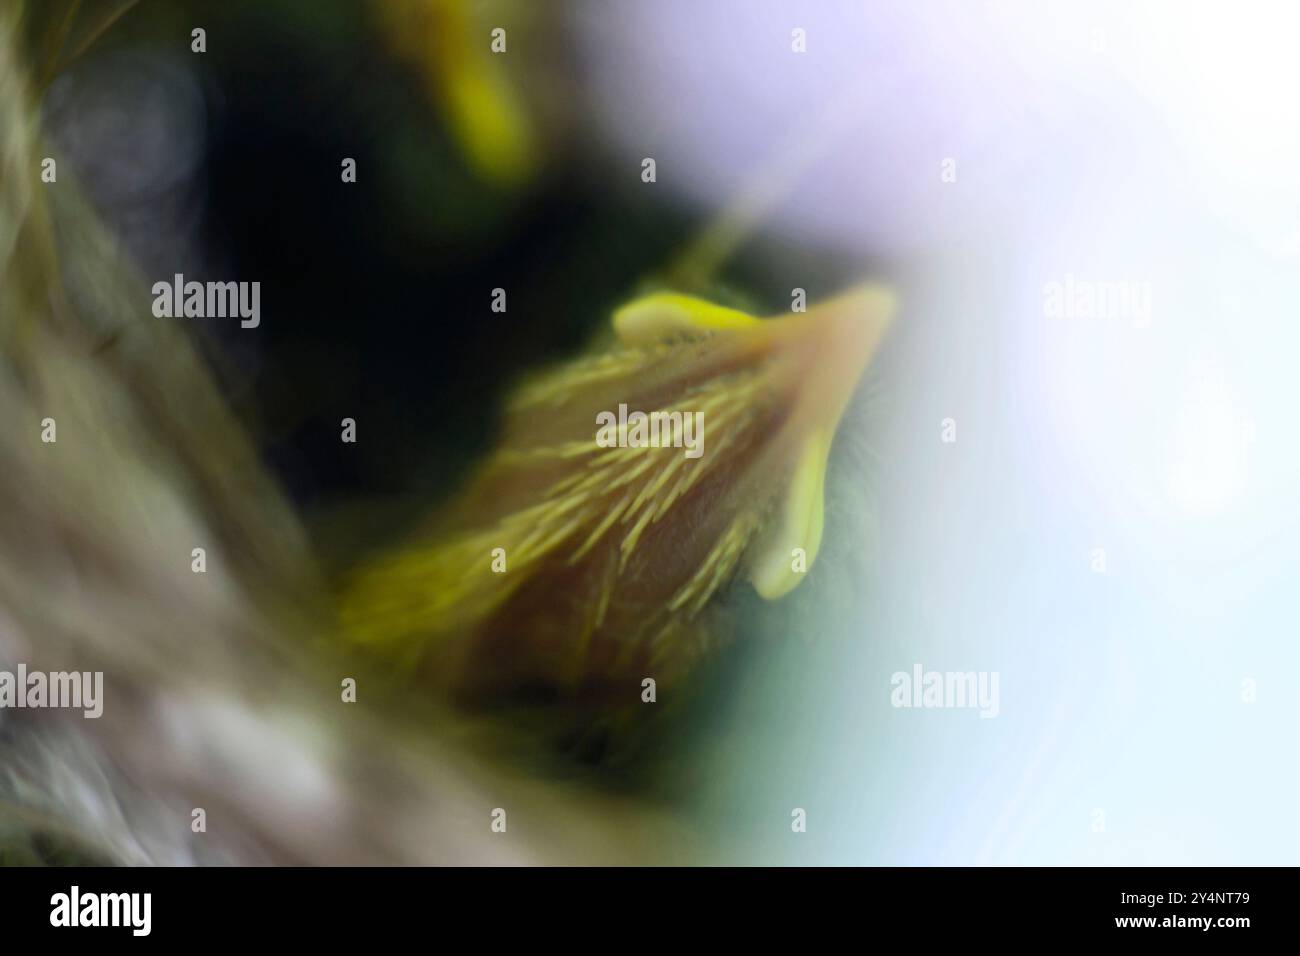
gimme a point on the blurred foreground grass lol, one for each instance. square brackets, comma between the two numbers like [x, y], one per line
[222, 695]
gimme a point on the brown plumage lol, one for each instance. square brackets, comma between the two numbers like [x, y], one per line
[610, 556]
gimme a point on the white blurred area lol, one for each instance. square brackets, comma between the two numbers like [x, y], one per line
[1139, 143]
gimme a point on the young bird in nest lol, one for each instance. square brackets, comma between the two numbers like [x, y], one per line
[581, 567]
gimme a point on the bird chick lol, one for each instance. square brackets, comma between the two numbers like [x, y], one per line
[583, 555]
